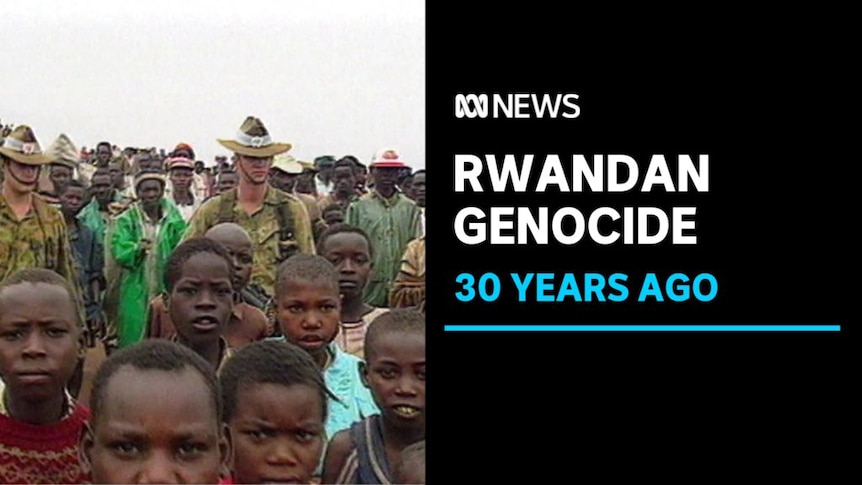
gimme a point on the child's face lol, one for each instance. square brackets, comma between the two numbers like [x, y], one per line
[333, 217]
[155, 427]
[395, 374]
[201, 302]
[278, 433]
[241, 251]
[72, 201]
[351, 256]
[309, 313]
[39, 340]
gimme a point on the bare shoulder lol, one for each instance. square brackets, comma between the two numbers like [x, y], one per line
[337, 451]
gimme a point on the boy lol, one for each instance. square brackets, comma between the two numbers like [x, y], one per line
[40, 342]
[199, 287]
[308, 309]
[88, 252]
[156, 418]
[332, 214]
[274, 401]
[349, 250]
[247, 323]
[395, 373]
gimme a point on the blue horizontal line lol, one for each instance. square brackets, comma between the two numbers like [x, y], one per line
[642, 328]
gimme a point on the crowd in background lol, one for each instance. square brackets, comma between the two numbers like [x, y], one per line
[316, 253]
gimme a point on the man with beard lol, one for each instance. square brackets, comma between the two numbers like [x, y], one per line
[390, 219]
[33, 234]
[277, 222]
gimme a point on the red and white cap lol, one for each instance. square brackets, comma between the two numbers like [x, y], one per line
[387, 158]
[180, 162]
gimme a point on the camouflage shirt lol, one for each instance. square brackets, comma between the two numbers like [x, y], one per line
[263, 228]
[40, 239]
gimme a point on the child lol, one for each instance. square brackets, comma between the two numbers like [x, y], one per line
[349, 250]
[395, 373]
[247, 323]
[332, 214]
[307, 309]
[88, 252]
[40, 341]
[411, 468]
[156, 418]
[274, 402]
[199, 285]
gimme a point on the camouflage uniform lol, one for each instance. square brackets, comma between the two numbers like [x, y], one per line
[263, 227]
[38, 240]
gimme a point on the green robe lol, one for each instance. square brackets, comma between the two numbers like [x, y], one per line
[135, 292]
[390, 224]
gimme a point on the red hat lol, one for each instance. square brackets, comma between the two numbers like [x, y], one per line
[387, 158]
[185, 147]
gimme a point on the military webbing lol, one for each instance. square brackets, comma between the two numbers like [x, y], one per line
[287, 245]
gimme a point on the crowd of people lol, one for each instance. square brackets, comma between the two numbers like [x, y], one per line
[162, 321]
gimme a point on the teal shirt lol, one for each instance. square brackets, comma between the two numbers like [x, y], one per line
[390, 224]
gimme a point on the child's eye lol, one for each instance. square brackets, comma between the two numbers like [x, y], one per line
[361, 260]
[328, 307]
[245, 259]
[188, 291]
[421, 374]
[224, 291]
[187, 450]
[260, 434]
[56, 332]
[294, 308]
[305, 436]
[388, 373]
[12, 335]
[125, 448]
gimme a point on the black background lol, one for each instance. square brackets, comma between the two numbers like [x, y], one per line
[765, 97]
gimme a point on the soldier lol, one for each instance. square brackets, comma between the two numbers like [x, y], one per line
[277, 222]
[33, 234]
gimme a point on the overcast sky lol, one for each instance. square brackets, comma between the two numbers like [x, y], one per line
[329, 76]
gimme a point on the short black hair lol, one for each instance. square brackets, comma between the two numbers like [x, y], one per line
[100, 172]
[42, 275]
[421, 170]
[154, 354]
[188, 248]
[404, 320]
[269, 362]
[73, 183]
[306, 267]
[346, 161]
[342, 228]
[104, 144]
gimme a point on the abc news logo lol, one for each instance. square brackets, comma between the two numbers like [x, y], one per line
[519, 105]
